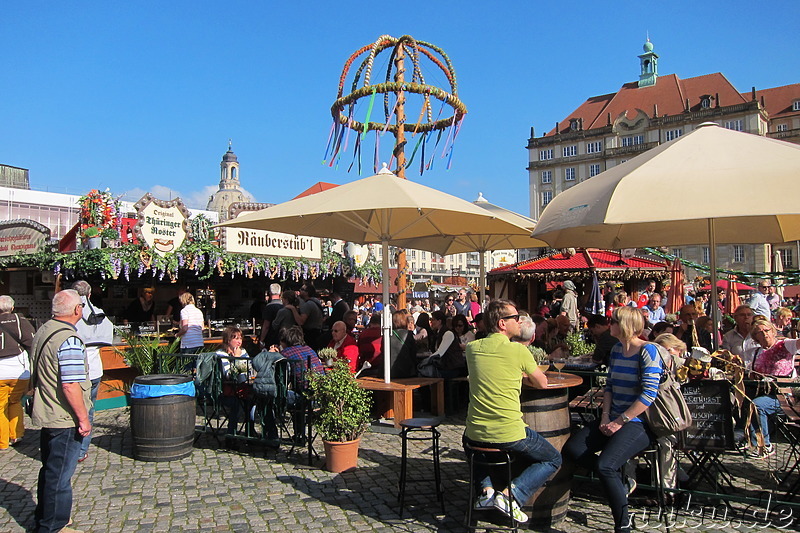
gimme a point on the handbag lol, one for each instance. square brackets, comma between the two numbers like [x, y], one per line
[429, 367]
[669, 413]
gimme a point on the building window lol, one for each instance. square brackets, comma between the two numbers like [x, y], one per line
[413, 265]
[706, 255]
[796, 105]
[705, 102]
[678, 252]
[632, 140]
[413, 254]
[547, 176]
[547, 197]
[674, 134]
[424, 254]
[787, 258]
[570, 151]
[735, 125]
[594, 169]
[594, 148]
[738, 253]
[545, 154]
[783, 127]
[569, 174]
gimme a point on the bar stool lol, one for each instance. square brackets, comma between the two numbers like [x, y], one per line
[492, 457]
[420, 429]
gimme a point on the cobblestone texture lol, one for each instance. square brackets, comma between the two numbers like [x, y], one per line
[253, 489]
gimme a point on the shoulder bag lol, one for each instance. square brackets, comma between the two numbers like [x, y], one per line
[668, 414]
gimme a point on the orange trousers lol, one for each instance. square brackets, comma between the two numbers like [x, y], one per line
[12, 423]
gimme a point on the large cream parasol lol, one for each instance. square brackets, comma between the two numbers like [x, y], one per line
[705, 183]
[381, 209]
[517, 236]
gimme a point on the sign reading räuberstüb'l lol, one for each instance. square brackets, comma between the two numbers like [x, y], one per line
[22, 236]
[162, 224]
[260, 242]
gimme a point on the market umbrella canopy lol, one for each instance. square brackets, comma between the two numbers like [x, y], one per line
[378, 209]
[723, 167]
[518, 235]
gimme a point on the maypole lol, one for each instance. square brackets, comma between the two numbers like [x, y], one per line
[404, 49]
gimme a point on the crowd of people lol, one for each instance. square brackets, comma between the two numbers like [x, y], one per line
[497, 345]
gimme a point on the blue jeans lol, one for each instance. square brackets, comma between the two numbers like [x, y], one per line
[615, 451]
[88, 438]
[766, 406]
[60, 448]
[543, 458]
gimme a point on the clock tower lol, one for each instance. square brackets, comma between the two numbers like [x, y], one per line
[230, 190]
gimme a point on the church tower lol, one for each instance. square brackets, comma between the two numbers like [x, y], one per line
[648, 62]
[230, 189]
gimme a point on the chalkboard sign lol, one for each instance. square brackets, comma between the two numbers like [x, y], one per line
[712, 416]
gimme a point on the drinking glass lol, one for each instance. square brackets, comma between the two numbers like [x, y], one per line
[559, 364]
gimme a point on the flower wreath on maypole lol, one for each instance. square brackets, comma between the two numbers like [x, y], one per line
[343, 109]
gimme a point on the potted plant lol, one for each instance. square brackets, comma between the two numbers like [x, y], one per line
[110, 236]
[91, 237]
[343, 414]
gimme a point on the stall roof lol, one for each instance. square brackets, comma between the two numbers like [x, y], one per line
[607, 263]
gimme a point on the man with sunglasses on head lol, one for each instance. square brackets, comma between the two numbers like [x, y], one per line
[497, 368]
[61, 402]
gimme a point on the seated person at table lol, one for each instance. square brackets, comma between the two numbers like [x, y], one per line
[403, 351]
[668, 463]
[451, 363]
[494, 416]
[344, 344]
[370, 342]
[634, 371]
[423, 332]
[527, 334]
[302, 359]
[604, 341]
[463, 331]
[686, 328]
[771, 358]
[231, 347]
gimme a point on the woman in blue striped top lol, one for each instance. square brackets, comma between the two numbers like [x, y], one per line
[633, 377]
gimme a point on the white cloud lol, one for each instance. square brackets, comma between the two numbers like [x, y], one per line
[199, 199]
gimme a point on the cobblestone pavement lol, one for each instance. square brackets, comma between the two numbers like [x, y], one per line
[250, 489]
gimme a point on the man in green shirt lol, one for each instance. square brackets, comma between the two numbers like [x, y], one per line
[497, 368]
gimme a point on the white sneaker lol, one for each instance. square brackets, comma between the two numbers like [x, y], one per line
[509, 507]
[485, 501]
[769, 449]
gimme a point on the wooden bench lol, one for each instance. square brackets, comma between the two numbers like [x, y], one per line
[589, 403]
[402, 390]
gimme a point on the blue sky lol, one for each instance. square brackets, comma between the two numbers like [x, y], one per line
[143, 96]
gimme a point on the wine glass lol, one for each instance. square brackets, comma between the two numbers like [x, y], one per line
[544, 365]
[559, 364]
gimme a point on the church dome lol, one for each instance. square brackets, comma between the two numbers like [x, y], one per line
[648, 46]
[229, 157]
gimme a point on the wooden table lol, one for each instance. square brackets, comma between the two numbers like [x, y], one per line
[402, 390]
[546, 411]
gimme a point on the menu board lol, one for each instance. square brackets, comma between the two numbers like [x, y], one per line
[712, 416]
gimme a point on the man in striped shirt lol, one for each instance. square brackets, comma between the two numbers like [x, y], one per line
[60, 377]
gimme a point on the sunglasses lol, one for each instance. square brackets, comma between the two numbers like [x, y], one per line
[510, 317]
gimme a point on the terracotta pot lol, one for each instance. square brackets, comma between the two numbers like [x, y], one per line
[341, 456]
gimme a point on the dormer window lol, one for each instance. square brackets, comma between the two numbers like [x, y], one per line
[705, 101]
[574, 124]
[796, 105]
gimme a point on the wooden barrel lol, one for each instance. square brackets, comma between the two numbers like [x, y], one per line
[546, 411]
[162, 417]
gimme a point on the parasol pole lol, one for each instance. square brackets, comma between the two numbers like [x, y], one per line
[482, 278]
[400, 155]
[712, 238]
[386, 314]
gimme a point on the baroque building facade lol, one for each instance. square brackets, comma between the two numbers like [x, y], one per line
[230, 188]
[609, 129]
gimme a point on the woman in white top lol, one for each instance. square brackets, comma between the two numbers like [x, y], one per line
[16, 334]
[191, 330]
